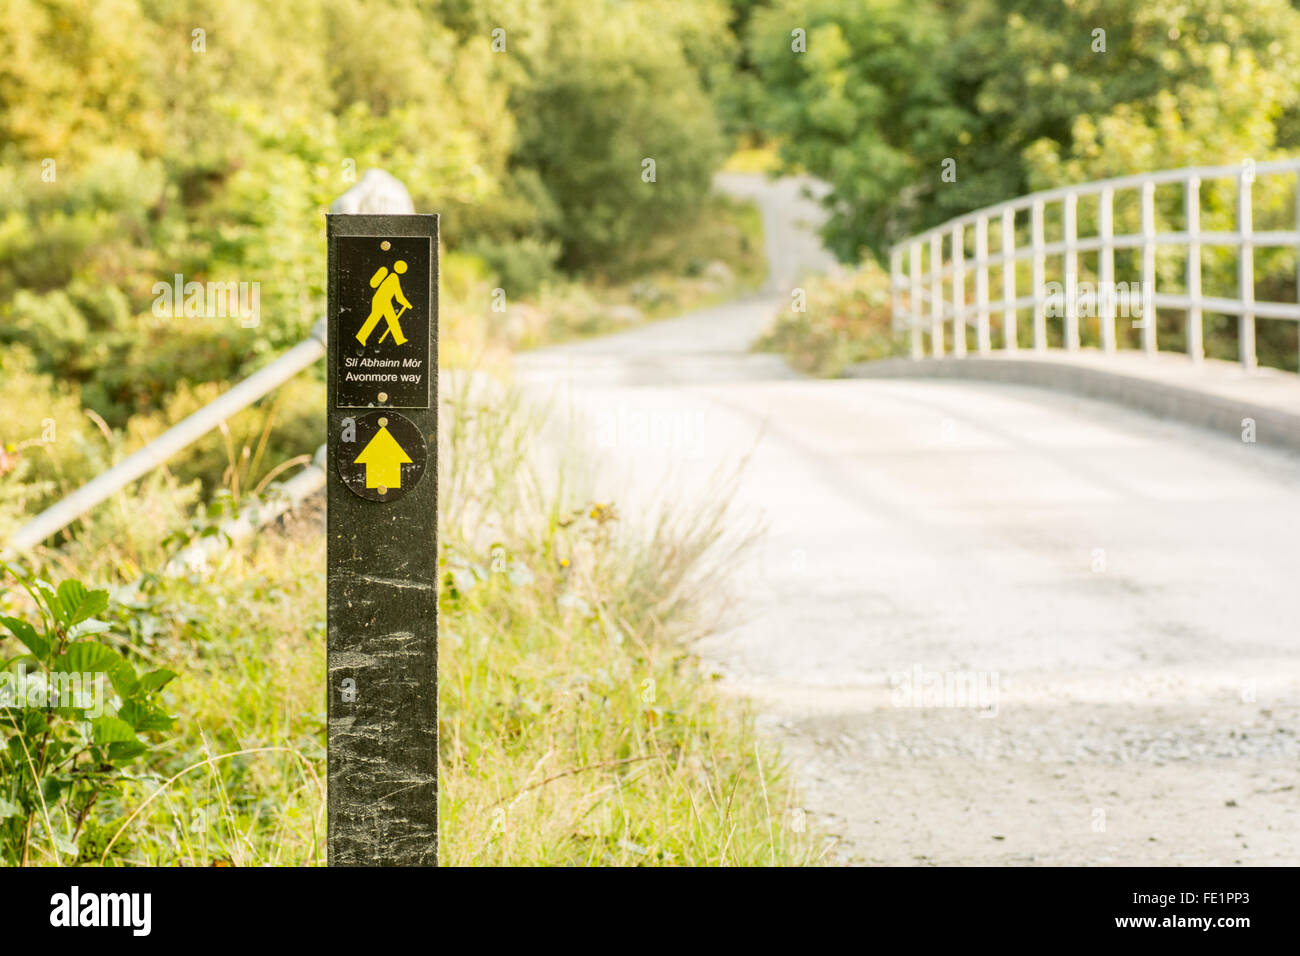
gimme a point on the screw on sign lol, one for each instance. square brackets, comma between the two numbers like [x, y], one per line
[382, 550]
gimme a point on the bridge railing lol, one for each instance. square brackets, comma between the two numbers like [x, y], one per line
[376, 192]
[932, 271]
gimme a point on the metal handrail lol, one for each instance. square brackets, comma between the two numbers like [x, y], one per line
[183, 433]
[928, 309]
[375, 192]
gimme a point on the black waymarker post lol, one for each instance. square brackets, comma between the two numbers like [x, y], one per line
[382, 551]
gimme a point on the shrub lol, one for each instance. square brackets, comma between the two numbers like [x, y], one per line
[521, 266]
[847, 319]
[606, 93]
[65, 747]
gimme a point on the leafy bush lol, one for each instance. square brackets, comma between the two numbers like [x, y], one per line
[47, 446]
[65, 746]
[521, 266]
[846, 319]
[604, 94]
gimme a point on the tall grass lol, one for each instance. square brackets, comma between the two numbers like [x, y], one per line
[575, 725]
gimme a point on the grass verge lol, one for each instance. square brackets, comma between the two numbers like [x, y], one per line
[575, 725]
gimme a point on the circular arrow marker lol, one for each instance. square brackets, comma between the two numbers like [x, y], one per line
[381, 455]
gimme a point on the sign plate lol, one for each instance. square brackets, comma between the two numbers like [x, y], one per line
[384, 303]
[381, 455]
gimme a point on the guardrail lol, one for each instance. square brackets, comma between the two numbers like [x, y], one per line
[931, 292]
[376, 192]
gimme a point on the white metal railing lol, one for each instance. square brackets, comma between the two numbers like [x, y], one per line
[377, 192]
[929, 285]
[63, 512]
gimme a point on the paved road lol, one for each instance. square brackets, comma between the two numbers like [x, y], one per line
[987, 623]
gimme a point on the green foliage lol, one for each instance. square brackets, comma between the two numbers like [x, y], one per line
[133, 150]
[845, 319]
[605, 93]
[716, 256]
[520, 266]
[46, 445]
[1019, 94]
[916, 112]
[74, 715]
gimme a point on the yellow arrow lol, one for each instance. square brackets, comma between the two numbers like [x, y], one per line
[383, 458]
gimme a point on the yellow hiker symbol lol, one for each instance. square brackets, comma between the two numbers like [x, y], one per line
[383, 458]
[388, 292]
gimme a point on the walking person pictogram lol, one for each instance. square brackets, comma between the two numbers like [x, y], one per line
[388, 291]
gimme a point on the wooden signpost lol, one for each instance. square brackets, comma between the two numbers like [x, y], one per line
[382, 528]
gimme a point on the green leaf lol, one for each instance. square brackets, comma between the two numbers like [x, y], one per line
[154, 680]
[34, 724]
[9, 809]
[50, 601]
[112, 730]
[79, 604]
[35, 643]
[89, 628]
[145, 716]
[89, 657]
[52, 788]
[122, 751]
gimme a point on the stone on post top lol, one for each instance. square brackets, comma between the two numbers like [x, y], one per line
[376, 193]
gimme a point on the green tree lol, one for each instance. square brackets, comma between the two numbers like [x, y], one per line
[1017, 95]
[607, 91]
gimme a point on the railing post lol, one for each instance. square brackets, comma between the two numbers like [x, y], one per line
[896, 316]
[1040, 278]
[1148, 267]
[982, 285]
[1245, 272]
[1106, 262]
[1070, 215]
[895, 300]
[1192, 213]
[936, 295]
[1009, 279]
[914, 308]
[958, 292]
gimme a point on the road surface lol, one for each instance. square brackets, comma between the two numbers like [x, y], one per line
[986, 623]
